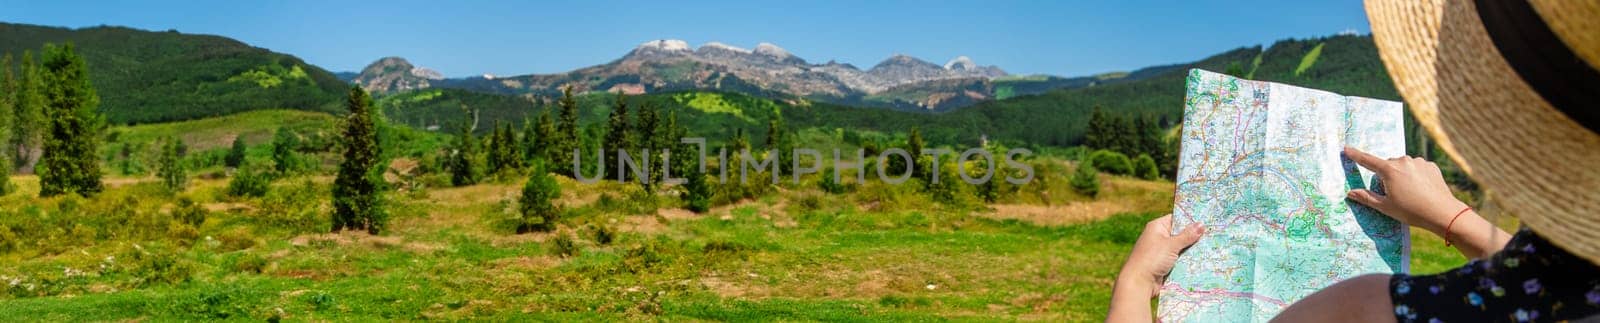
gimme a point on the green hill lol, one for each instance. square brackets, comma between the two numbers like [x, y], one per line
[145, 76]
[1346, 65]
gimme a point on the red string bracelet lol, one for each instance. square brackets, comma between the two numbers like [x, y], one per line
[1453, 223]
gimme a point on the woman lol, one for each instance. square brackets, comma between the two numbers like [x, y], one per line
[1511, 91]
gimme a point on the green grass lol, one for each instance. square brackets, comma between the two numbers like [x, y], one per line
[1307, 61]
[764, 259]
[257, 127]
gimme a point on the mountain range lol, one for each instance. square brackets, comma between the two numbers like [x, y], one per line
[899, 82]
[149, 76]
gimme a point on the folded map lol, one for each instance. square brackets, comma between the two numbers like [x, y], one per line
[1261, 167]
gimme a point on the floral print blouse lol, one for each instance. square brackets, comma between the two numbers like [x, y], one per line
[1529, 280]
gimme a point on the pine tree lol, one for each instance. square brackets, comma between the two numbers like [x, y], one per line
[648, 130]
[284, 158]
[617, 133]
[697, 191]
[8, 103]
[511, 149]
[915, 145]
[69, 163]
[502, 153]
[529, 142]
[779, 143]
[1086, 180]
[236, 153]
[1096, 135]
[28, 119]
[463, 164]
[548, 142]
[536, 206]
[567, 139]
[356, 201]
[174, 176]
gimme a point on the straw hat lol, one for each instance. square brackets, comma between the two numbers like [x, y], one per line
[1511, 91]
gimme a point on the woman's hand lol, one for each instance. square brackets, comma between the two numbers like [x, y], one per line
[1147, 267]
[1415, 194]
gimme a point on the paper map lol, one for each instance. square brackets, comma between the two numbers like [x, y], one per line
[1261, 166]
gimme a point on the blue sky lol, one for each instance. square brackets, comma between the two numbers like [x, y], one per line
[462, 38]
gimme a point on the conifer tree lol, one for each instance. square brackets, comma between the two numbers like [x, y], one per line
[28, 116]
[567, 139]
[68, 163]
[1096, 135]
[617, 133]
[357, 202]
[779, 143]
[697, 191]
[236, 153]
[529, 148]
[284, 158]
[648, 130]
[915, 145]
[539, 212]
[502, 152]
[1086, 180]
[463, 164]
[548, 141]
[8, 103]
[174, 176]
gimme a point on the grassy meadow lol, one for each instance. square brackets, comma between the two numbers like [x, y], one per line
[791, 252]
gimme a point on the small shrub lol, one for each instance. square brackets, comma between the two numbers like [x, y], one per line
[189, 212]
[1086, 180]
[249, 182]
[235, 157]
[539, 213]
[698, 192]
[1145, 167]
[250, 263]
[639, 259]
[170, 168]
[236, 239]
[828, 184]
[725, 248]
[604, 235]
[565, 246]
[1111, 162]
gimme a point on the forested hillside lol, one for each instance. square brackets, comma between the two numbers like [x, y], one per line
[1346, 65]
[1343, 64]
[145, 76]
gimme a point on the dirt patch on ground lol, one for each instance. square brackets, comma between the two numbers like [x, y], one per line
[362, 239]
[1056, 215]
[474, 194]
[227, 206]
[747, 286]
[527, 263]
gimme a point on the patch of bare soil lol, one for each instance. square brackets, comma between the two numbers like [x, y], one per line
[1056, 215]
[362, 239]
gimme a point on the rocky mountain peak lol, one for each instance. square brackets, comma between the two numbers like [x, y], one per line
[393, 74]
[960, 63]
[772, 50]
[660, 47]
[904, 61]
[723, 47]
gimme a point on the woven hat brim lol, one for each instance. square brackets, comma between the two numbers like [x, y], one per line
[1537, 163]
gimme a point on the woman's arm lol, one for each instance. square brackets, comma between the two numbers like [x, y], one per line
[1360, 299]
[1417, 195]
[1146, 269]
